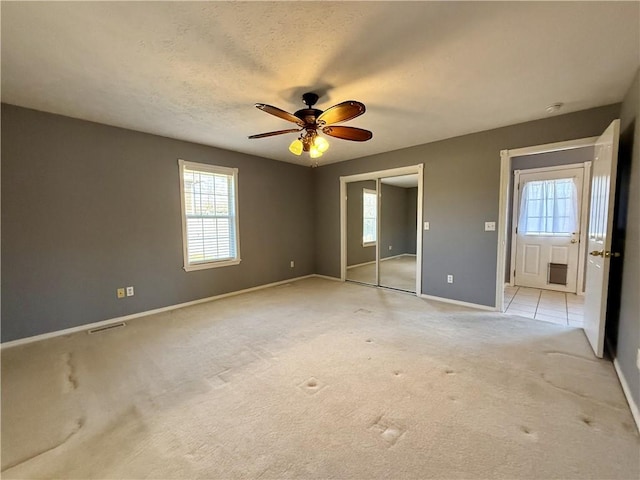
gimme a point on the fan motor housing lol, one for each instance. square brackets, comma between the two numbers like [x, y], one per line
[308, 115]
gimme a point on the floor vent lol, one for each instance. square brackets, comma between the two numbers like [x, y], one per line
[107, 327]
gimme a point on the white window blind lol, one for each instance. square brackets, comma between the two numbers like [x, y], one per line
[548, 207]
[369, 216]
[209, 215]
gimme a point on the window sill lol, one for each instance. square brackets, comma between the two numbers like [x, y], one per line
[369, 244]
[207, 265]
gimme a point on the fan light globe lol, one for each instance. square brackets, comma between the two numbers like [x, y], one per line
[314, 152]
[296, 147]
[321, 144]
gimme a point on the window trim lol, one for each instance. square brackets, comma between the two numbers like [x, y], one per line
[368, 191]
[205, 167]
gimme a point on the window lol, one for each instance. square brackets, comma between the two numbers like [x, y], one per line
[548, 207]
[209, 215]
[369, 217]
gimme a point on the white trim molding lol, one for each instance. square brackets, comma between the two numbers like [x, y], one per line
[377, 175]
[635, 412]
[503, 207]
[458, 302]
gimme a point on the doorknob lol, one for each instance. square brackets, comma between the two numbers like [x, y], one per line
[604, 254]
[573, 240]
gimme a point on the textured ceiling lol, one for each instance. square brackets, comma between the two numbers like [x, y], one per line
[425, 70]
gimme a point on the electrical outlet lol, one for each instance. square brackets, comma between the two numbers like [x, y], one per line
[292, 264]
[489, 226]
[390, 247]
[449, 278]
[120, 292]
[129, 291]
[426, 225]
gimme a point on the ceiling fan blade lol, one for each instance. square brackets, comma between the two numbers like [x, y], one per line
[341, 112]
[279, 113]
[349, 133]
[279, 132]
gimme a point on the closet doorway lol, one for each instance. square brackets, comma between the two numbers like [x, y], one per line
[381, 215]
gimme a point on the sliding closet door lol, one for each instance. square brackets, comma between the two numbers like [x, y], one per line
[362, 232]
[398, 223]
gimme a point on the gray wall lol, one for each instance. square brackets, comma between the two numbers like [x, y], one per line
[550, 159]
[356, 253]
[624, 323]
[87, 208]
[461, 192]
[411, 219]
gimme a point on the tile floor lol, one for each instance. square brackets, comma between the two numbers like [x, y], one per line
[547, 305]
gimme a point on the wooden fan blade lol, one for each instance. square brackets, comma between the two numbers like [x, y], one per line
[341, 112]
[279, 113]
[279, 132]
[349, 133]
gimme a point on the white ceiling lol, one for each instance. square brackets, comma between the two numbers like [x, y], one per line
[425, 70]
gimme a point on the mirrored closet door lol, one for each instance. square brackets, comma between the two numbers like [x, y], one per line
[362, 230]
[381, 236]
[398, 223]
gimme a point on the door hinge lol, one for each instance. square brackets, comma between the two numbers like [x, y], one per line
[516, 230]
[514, 273]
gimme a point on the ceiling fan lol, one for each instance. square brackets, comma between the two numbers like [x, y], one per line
[311, 120]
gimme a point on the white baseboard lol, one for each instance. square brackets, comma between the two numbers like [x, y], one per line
[326, 277]
[627, 393]
[104, 323]
[457, 302]
[360, 264]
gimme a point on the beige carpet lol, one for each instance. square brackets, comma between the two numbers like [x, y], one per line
[317, 379]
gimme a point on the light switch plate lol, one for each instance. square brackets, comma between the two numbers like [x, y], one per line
[489, 226]
[426, 225]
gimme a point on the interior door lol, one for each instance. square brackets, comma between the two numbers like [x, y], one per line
[603, 187]
[548, 229]
[362, 232]
[397, 266]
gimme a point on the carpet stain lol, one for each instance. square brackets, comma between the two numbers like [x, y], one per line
[448, 371]
[397, 373]
[70, 377]
[368, 340]
[362, 310]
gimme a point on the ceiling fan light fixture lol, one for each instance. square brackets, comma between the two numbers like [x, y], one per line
[321, 144]
[314, 152]
[296, 147]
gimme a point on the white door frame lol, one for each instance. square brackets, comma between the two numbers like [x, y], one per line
[394, 172]
[584, 208]
[503, 205]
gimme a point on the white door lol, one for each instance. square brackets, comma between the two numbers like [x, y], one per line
[603, 188]
[548, 229]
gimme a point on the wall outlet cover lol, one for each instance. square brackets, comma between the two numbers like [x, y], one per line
[129, 291]
[120, 293]
[449, 278]
[426, 225]
[489, 226]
